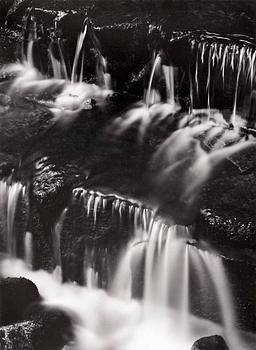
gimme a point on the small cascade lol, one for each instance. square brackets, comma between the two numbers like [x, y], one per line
[10, 196]
[121, 286]
[152, 95]
[91, 278]
[171, 262]
[219, 66]
[57, 59]
[94, 202]
[126, 217]
[56, 238]
[103, 77]
[169, 80]
[165, 254]
[239, 71]
[215, 269]
[30, 59]
[28, 249]
[153, 109]
[68, 91]
[78, 54]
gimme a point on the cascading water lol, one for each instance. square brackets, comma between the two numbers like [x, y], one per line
[223, 63]
[173, 269]
[119, 321]
[169, 260]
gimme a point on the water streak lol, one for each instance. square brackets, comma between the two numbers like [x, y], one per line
[10, 195]
[79, 47]
[152, 95]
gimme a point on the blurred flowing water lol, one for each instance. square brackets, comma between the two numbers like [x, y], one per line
[11, 195]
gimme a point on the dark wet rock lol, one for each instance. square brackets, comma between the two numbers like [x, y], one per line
[241, 275]
[227, 203]
[55, 329]
[18, 336]
[49, 330]
[214, 342]
[5, 5]
[129, 56]
[5, 100]
[21, 125]
[50, 192]
[48, 183]
[16, 295]
[7, 164]
[220, 16]
[218, 227]
[10, 42]
[43, 257]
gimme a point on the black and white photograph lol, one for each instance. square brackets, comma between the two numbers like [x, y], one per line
[127, 174]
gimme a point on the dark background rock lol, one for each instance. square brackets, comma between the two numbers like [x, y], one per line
[129, 29]
[20, 125]
[218, 16]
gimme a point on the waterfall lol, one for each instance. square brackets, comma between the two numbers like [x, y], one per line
[239, 69]
[103, 77]
[169, 79]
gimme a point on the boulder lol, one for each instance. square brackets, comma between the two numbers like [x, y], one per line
[45, 330]
[214, 342]
[55, 327]
[21, 125]
[18, 336]
[16, 295]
